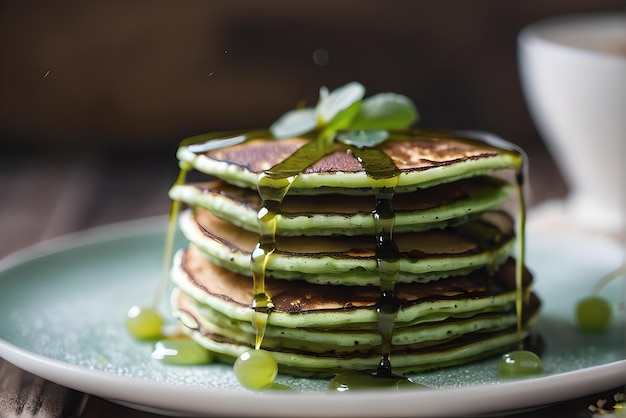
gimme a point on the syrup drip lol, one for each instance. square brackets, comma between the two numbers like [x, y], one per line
[521, 253]
[273, 185]
[197, 144]
[169, 238]
[261, 303]
[383, 176]
[520, 174]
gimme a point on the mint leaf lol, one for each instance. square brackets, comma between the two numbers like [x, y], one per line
[345, 109]
[363, 138]
[343, 119]
[294, 123]
[385, 111]
[331, 104]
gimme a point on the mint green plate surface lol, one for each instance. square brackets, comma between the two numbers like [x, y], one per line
[63, 304]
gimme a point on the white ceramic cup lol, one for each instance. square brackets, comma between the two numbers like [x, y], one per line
[573, 72]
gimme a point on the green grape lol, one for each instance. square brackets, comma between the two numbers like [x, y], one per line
[520, 363]
[181, 352]
[144, 323]
[256, 369]
[593, 314]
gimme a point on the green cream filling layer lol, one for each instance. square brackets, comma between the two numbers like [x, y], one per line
[423, 332]
[487, 197]
[352, 182]
[428, 311]
[325, 269]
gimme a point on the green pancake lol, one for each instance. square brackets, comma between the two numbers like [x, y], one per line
[425, 255]
[429, 208]
[424, 158]
[334, 328]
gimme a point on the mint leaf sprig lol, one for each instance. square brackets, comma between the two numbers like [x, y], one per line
[345, 115]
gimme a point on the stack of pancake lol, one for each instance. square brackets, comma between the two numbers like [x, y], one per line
[454, 277]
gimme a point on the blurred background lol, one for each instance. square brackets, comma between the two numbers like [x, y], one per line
[95, 96]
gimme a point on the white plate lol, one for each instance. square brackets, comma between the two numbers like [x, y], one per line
[63, 305]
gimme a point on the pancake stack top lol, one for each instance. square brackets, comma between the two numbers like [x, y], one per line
[350, 250]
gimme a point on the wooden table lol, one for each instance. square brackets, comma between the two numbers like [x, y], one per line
[43, 196]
